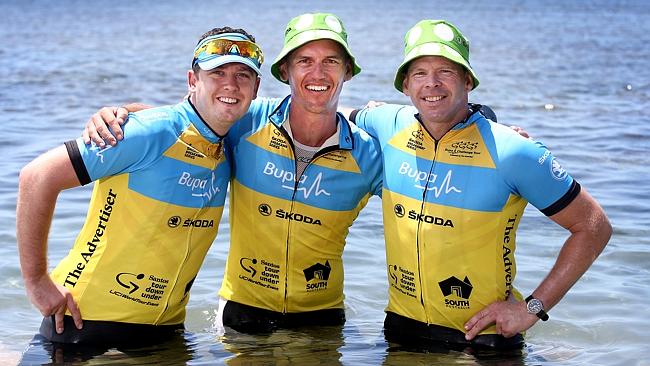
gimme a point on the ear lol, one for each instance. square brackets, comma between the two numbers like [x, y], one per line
[257, 87]
[348, 72]
[284, 70]
[405, 85]
[192, 79]
[469, 81]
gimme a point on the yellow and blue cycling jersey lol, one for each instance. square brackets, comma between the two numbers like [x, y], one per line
[451, 210]
[154, 212]
[288, 232]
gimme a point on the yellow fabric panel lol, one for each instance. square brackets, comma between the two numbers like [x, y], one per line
[339, 160]
[317, 238]
[465, 147]
[480, 247]
[458, 147]
[141, 275]
[270, 138]
[414, 140]
[194, 149]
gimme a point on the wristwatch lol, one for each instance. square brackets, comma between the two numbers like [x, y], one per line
[535, 306]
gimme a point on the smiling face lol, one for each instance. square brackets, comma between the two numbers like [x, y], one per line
[439, 89]
[224, 94]
[316, 72]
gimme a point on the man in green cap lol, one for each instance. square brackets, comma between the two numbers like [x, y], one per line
[301, 175]
[455, 187]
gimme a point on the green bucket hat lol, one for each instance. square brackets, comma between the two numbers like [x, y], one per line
[311, 27]
[434, 38]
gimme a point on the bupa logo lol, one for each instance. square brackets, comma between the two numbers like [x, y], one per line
[200, 187]
[427, 181]
[317, 276]
[557, 170]
[288, 180]
[129, 280]
[462, 290]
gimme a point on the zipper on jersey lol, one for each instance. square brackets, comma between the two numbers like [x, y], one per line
[419, 227]
[172, 286]
[297, 179]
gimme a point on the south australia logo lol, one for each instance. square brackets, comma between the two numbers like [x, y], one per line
[456, 292]
[317, 276]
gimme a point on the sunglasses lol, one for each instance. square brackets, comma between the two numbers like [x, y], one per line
[224, 47]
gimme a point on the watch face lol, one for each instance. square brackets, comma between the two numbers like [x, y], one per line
[534, 306]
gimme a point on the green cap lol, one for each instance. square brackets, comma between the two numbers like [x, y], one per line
[311, 27]
[434, 38]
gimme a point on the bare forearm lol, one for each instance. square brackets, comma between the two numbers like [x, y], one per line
[34, 211]
[588, 239]
[576, 256]
[136, 107]
[39, 185]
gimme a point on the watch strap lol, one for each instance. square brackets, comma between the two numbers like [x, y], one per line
[540, 314]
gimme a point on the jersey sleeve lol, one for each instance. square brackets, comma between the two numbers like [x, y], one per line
[381, 122]
[145, 139]
[536, 175]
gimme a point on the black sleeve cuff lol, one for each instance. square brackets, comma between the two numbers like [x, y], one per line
[564, 201]
[353, 116]
[77, 162]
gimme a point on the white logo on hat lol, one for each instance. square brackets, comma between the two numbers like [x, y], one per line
[414, 35]
[429, 49]
[305, 21]
[333, 23]
[452, 51]
[443, 31]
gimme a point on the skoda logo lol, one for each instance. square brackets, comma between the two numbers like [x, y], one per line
[264, 209]
[174, 221]
[557, 170]
[399, 210]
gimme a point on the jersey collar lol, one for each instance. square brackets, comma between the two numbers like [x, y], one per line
[281, 113]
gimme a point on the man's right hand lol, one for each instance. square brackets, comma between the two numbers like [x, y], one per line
[53, 299]
[97, 127]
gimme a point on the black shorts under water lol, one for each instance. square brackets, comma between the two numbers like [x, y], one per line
[108, 333]
[250, 319]
[405, 331]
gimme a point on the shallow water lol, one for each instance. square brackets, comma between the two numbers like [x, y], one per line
[573, 73]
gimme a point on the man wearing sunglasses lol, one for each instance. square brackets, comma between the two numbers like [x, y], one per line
[301, 174]
[154, 212]
[455, 188]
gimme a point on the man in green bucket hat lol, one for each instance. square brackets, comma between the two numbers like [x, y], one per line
[455, 188]
[301, 175]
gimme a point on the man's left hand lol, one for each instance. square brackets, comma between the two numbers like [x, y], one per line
[509, 317]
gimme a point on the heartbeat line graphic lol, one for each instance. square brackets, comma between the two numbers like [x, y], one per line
[212, 190]
[100, 151]
[446, 184]
[315, 188]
